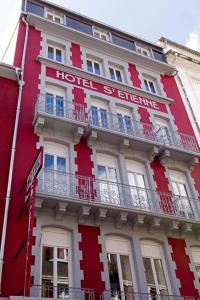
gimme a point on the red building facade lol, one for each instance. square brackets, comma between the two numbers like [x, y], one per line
[114, 212]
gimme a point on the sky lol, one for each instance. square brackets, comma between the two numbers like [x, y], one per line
[178, 20]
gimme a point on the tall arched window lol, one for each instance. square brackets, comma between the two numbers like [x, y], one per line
[120, 267]
[154, 267]
[56, 277]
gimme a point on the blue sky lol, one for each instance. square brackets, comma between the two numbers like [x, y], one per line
[178, 20]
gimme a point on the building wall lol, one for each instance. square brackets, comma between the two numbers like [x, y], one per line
[89, 227]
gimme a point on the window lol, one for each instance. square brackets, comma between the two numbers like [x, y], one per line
[180, 188]
[124, 120]
[154, 268]
[150, 85]
[55, 101]
[136, 177]
[163, 131]
[115, 74]
[54, 17]
[93, 67]
[99, 114]
[143, 51]
[101, 34]
[35, 9]
[56, 263]
[195, 251]
[120, 267]
[56, 168]
[117, 40]
[55, 53]
[78, 25]
[108, 176]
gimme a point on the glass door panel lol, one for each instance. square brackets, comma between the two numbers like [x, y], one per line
[104, 118]
[126, 274]
[103, 184]
[95, 118]
[49, 103]
[182, 202]
[138, 190]
[48, 179]
[113, 185]
[47, 272]
[59, 106]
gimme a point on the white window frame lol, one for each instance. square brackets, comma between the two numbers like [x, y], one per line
[196, 261]
[101, 33]
[149, 80]
[93, 61]
[141, 51]
[153, 256]
[115, 69]
[51, 244]
[121, 249]
[54, 16]
[55, 47]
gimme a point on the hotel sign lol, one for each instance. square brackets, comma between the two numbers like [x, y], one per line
[105, 89]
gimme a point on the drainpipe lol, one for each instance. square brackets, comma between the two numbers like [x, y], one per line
[20, 77]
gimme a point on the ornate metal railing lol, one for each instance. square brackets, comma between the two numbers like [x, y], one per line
[119, 295]
[131, 127]
[62, 292]
[177, 139]
[116, 194]
[58, 107]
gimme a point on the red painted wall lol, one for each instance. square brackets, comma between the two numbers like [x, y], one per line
[15, 248]
[183, 272]
[90, 264]
[76, 55]
[134, 75]
[8, 100]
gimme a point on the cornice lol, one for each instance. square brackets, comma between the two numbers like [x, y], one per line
[67, 33]
[103, 80]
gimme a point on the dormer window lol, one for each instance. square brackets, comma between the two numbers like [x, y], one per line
[101, 34]
[54, 17]
[144, 51]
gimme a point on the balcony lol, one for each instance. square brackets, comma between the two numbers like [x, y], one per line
[118, 295]
[61, 292]
[110, 199]
[133, 133]
[180, 146]
[55, 113]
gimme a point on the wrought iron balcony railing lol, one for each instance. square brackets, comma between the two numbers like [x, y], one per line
[57, 106]
[120, 295]
[115, 194]
[127, 126]
[62, 292]
[177, 139]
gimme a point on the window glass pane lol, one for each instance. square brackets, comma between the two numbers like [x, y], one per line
[148, 271]
[57, 19]
[58, 55]
[49, 103]
[62, 271]
[47, 262]
[104, 37]
[61, 164]
[118, 75]
[89, 66]
[120, 122]
[175, 188]
[97, 68]
[131, 179]
[158, 55]
[59, 106]
[113, 272]
[95, 118]
[102, 172]
[146, 85]
[112, 74]
[35, 9]
[140, 180]
[83, 27]
[50, 52]
[126, 272]
[112, 174]
[159, 272]
[49, 162]
[104, 120]
[151, 85]
[182, 188]
[123, 42]
[128, 123]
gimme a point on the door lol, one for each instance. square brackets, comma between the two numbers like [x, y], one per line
[120, 268]
[125, 123]
[108, 179]
[163, 131]
[181, 200]
[55, 101]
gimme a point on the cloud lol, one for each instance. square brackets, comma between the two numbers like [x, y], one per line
[193, 41]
